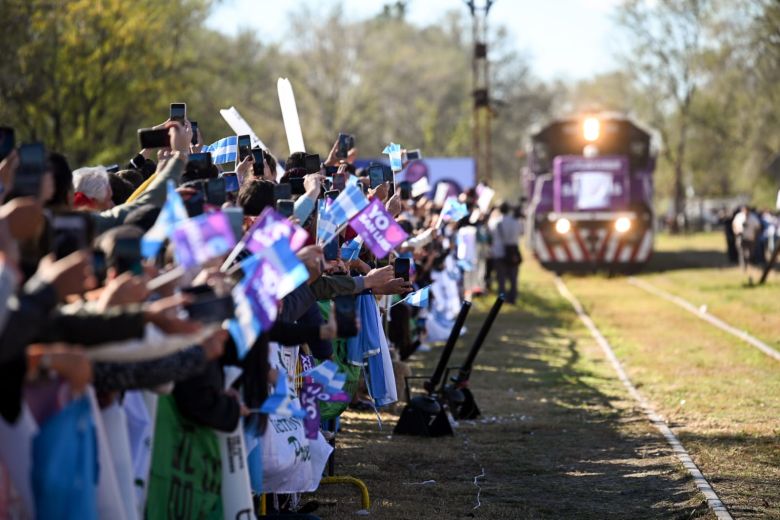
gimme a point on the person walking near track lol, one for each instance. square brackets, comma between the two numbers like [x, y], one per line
[505, 232]
[746, 227]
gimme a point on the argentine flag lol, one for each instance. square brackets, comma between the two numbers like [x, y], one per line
[224, 150]
[279, 402]
[327, 374]
[172, 212]
[418, 298]
[339, 212]
[454, 210]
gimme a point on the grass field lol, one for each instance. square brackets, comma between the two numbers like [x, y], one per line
[559, 436]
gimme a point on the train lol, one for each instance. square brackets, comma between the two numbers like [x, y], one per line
[589, 183]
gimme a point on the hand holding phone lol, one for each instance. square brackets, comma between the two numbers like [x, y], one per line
[376, 176]
[244, 147]
[178, 112]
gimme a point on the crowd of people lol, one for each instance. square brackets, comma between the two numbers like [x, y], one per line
[751, 235]
[174, 335]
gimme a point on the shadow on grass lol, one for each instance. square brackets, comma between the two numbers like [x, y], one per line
[686, 259]
[556, 439]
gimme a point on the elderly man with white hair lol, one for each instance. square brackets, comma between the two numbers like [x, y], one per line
[92, 189]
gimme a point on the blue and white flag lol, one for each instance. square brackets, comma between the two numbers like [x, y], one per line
[418, 298]
[279, 402]
[224, 150]
[246, 326]
[327, 374]
[327, 229]
[351, 250]
[338, 213]
[454, 210]
[172, 212]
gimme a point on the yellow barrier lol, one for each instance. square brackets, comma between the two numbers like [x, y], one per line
[353, 481]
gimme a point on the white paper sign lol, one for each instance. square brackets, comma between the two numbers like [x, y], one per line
[421, 187]
[239, 125]
[292, 125]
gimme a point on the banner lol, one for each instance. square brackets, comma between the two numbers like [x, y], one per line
[202, 238]
[380, 232]
[186, 475]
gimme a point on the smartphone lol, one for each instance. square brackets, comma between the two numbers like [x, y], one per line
[401, 268]
[413, 155]
[99, 265]
[312, 163]
[215, 191]
[257, 155]
[346, 143]
[194, 125]
[296, 184]
[71, 233]
[7, 141]
[127, 256]
[286, 207]
[283, 190]
[32, 164]
[387, 174]
[331, 250]
[330, 170]
[231, 182]
[204, 158]
[244, 147]
[339, 181]
[406, 189]
[376, 176]
[211, 310]
[332, 194]
[178, 112]
[346, 318]
[235, 216]
[154, 138]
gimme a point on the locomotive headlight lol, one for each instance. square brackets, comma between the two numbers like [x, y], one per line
[622, 224]
[562, 226]
[591, 128]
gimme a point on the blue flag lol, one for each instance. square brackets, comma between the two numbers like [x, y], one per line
[454, 210]
[327, 374]
[279, 402]
[224, 150]
[418, 298]
[338, 213]
[172, 212]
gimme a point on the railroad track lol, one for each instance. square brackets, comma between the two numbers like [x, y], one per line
[704, 315]
[713, 500]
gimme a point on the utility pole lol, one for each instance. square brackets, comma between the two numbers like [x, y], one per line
[480, 90]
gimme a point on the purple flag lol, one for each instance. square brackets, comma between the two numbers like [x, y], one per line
[260, 289]
[380, 232]
[309, 395]
[200, 239]
[269, 227]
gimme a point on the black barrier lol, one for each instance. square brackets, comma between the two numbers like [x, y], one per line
[460, 399]
[423, 414]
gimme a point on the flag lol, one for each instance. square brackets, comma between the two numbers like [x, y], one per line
[172, 212]
[202, 238]
[327, 229]
[327, 374]
[279, 402]
[245, 327]
[351, 250]
[418, 298]
[339, 212]
[454, 210]
[269, 227]
[378, 229]
[394, 151]
[224, 150]
[283, 271]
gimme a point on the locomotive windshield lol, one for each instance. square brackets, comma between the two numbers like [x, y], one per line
[608, 136]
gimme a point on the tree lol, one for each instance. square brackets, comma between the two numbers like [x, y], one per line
[667, 41]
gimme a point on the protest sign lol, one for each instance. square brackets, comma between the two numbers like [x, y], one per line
[292, 125]
[380, 232]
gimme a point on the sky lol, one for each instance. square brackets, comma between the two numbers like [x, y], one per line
[564, 39]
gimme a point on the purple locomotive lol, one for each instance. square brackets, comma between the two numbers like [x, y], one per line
[590, 184]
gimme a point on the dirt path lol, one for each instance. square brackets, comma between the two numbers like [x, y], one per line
[559, 436]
